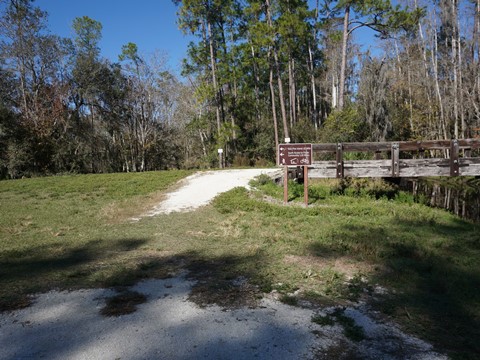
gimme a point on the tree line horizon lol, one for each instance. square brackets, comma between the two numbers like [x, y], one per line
[259, 71]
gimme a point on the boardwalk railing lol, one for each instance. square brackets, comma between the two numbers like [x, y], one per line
[398, 159]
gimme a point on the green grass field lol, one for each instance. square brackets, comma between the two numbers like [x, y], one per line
[75, 231]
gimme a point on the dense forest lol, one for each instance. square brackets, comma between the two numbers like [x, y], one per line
[259, 71]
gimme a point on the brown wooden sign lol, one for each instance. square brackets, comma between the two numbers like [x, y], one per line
[295, 154]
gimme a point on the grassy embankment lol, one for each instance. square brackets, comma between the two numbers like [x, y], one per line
[73, 232]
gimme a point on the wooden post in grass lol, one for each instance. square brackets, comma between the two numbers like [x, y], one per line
[220, 158]
[285, 185]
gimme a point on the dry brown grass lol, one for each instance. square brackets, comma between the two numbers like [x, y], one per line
[122, 211]
[345, 265]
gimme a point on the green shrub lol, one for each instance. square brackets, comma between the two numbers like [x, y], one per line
[241, 161]
[316, 193]
[295, 190]
[262, 162]
[343, 126]
[404, 198]
[372, 188]
[234, 200]
[261, 180]
[303, 131]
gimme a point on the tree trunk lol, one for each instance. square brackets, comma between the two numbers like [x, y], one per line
[477, 59]
[343, 66]
[477, 40]
[214, 77]
[274, 114]
[312, 82]
[291, 91]
[280, 94]
[455, 86]
[232, 114]
[437, 85]
[409, 82]
[334, 92]
[461, 109]
[279, 78]
[312, 70]
[257, 81]
[425, 65]
[204, 149]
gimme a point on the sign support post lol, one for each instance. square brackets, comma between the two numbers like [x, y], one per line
[305, 185]
[295, 155]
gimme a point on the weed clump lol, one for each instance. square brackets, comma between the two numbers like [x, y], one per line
[122, 304]
[323, 320]
[350, 329]
[289, 300]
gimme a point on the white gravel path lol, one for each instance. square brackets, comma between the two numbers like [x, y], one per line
[200, 188]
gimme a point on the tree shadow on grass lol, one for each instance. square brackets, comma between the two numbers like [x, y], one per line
[228, 281]
[164, 327]
[45, 267]
[434, 270]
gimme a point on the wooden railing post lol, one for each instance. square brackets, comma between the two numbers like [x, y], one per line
[339, 160]
[395, 159]
[454, 166]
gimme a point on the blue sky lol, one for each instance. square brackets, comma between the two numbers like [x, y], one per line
[151, 24]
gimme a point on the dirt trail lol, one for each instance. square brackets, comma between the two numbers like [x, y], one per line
[200, 188]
